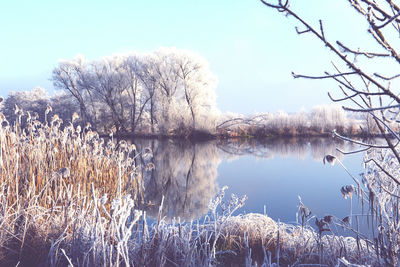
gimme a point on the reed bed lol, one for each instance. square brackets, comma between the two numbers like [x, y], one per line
[47, 174]
[68, 198]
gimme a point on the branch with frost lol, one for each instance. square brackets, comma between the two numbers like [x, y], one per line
[384, 171]
[390, 20]
[387, 78]
[368, 145]
[367, 54]
[319, 34]
[371, 109]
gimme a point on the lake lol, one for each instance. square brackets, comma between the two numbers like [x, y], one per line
[272, 173]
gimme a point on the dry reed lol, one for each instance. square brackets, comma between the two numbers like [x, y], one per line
[66, 198]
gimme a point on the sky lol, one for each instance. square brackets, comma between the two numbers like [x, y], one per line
[251, 48]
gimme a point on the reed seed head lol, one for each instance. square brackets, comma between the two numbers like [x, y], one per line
[347, 190]
[48, 109]
[75, 116]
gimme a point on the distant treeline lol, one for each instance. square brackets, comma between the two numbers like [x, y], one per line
[168, 92]
[321, 121]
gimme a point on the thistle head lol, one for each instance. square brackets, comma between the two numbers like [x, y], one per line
[329, 159]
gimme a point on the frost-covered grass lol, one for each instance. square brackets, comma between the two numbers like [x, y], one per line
[66, 198]
[47, 175]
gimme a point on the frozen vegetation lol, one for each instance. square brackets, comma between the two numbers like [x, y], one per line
[320, 121]
[69, 197]
[168, 92]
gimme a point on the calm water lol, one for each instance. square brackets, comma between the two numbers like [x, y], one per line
[271, 174]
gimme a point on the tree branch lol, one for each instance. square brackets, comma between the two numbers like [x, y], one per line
[367, 54]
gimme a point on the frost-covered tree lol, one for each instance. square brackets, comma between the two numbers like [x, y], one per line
[198, 83]
[326, 118]
[109, 84]
[139, 92]
[70, 75]
[146, 72]
[166, 75]
[322, 120]
[39, 105]
[35, 102]
[169, 91]
[64, 106]
[300, 121]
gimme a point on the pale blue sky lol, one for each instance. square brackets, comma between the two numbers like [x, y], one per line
[251, 48]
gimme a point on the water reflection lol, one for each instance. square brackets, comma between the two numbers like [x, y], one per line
[186, 172]
[285, 147]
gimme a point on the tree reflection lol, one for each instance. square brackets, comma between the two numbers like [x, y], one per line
[185, 172]
[300, 148]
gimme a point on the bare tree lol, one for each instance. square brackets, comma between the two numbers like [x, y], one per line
[197, 81]
[166, 74]
[366, 90]
[109, 84]
[147, 76]
[136, 83]
[129, 92]
[73, 77]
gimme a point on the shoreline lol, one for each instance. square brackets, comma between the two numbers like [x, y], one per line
[209, 137]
